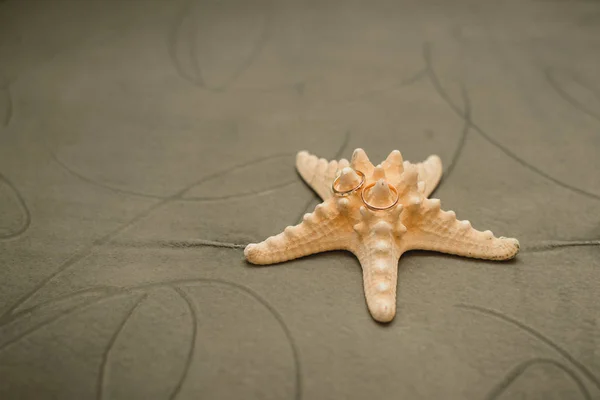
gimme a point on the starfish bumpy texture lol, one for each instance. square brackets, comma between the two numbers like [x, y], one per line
[378, 237]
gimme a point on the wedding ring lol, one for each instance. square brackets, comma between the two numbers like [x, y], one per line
[374, 208]
[350, 191]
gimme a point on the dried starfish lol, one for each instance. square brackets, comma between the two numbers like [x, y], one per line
[378, 237]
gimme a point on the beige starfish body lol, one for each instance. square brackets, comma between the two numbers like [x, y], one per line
[378, 237]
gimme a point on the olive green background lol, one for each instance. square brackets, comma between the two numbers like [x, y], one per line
[144, 143]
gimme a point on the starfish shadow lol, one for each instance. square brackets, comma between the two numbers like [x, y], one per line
[425, 253]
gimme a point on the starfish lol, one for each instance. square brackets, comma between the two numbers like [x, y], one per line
[378, 238]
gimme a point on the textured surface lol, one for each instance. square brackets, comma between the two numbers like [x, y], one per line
[377, 216]
[137, 146]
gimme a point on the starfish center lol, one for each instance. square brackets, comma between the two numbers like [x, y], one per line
[380, 194]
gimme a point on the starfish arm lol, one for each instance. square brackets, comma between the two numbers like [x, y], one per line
[318, 173]
[378, 253]
[430, 172]
[323, 230]
[438, 230]
[380, 276]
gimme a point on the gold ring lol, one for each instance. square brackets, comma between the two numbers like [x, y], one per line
[372, 207]
[350, 191]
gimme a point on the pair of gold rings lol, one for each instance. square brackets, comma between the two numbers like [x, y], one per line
[360, 184]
